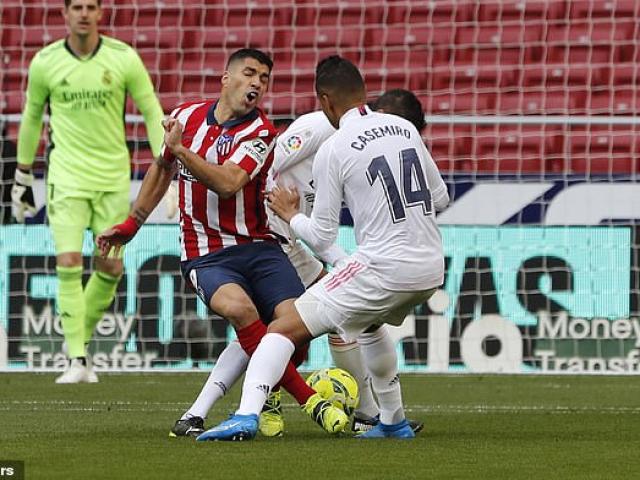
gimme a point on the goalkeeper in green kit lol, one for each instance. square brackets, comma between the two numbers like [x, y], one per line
[84, 79]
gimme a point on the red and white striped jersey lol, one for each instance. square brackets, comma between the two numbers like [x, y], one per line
[208, 222]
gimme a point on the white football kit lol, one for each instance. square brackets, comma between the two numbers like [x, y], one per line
[294, 154]
[378, 164]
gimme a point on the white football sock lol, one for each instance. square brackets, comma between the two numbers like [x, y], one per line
[348, 357]
[379, 355]
[231, 363]
[266, 367]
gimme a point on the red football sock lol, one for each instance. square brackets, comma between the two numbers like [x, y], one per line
[249, 338]
[300, 355]
[293, 383]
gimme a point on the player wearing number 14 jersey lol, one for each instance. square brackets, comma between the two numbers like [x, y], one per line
[377, 164]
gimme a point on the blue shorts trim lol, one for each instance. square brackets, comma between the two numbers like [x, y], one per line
[262, 269]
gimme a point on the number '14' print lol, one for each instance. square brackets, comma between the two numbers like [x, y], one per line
[414, 184]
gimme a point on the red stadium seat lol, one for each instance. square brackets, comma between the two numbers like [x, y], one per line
[615, 102]
[211, 60]
[253, 15]
[545, 101]
[515, 148]
[301, 82]
[148, 37]
[11, 15]
[338, 15]
[169, 101]
[559, 75]
[604, 149]
[11, 102]
[602, 164]
[472, 77]
[15, 81]
[429, 13]
[289, 105]
[621, 74]
[230, 38]
[603, 9]
[402, 58]
[459, 103]
[516, 10]
[379, 81]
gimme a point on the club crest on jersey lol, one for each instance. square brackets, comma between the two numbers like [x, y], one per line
[224, 144]
[106, 77]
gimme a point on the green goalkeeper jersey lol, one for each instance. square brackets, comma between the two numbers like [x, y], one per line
[86, 98]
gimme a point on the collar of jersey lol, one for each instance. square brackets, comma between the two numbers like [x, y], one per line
[211, 118]
[359, 111]
[93, 54]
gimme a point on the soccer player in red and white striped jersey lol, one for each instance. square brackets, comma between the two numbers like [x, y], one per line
[222, 150]
[211, 221]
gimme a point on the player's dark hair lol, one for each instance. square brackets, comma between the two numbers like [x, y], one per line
[254, 53]
[338, 75]
[402, 103]
[68, 2]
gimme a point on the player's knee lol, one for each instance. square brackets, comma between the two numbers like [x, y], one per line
[291, 328]
[69, 259]
[239, 313]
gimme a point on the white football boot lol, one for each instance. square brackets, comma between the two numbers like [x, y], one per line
[93, 378]
[76, 372]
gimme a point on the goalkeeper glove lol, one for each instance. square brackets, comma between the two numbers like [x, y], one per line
[22, 195]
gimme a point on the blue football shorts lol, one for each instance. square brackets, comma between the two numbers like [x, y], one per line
[262, 269]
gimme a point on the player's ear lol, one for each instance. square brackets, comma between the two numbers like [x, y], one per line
[324, 101]
[225, 78]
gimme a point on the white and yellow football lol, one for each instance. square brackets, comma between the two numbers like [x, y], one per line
[336, 386]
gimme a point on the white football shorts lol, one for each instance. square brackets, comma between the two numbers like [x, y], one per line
[350, 300]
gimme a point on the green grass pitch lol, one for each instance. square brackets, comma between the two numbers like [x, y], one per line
[477, 427]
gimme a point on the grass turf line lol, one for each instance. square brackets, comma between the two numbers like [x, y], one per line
[476, 427]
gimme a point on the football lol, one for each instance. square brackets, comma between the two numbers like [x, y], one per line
[337, 386]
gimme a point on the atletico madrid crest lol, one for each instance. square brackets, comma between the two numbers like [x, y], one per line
[225, 142]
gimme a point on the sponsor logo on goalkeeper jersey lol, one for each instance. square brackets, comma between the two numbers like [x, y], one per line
[85, 99]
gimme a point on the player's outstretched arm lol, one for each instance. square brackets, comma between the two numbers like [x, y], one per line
[154, 186]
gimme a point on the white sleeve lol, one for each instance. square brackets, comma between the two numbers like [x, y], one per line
[437, 187]
[333, 254]
[321, 229]
[301, 140]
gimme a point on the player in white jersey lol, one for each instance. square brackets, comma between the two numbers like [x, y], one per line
[292, 168]
[379, 166]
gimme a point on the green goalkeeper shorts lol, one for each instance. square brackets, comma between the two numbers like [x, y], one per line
[71, 212]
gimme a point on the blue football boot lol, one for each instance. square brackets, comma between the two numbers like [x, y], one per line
[401, 430]
[236, 429]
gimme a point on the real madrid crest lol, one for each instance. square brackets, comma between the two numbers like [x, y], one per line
[106, 77]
